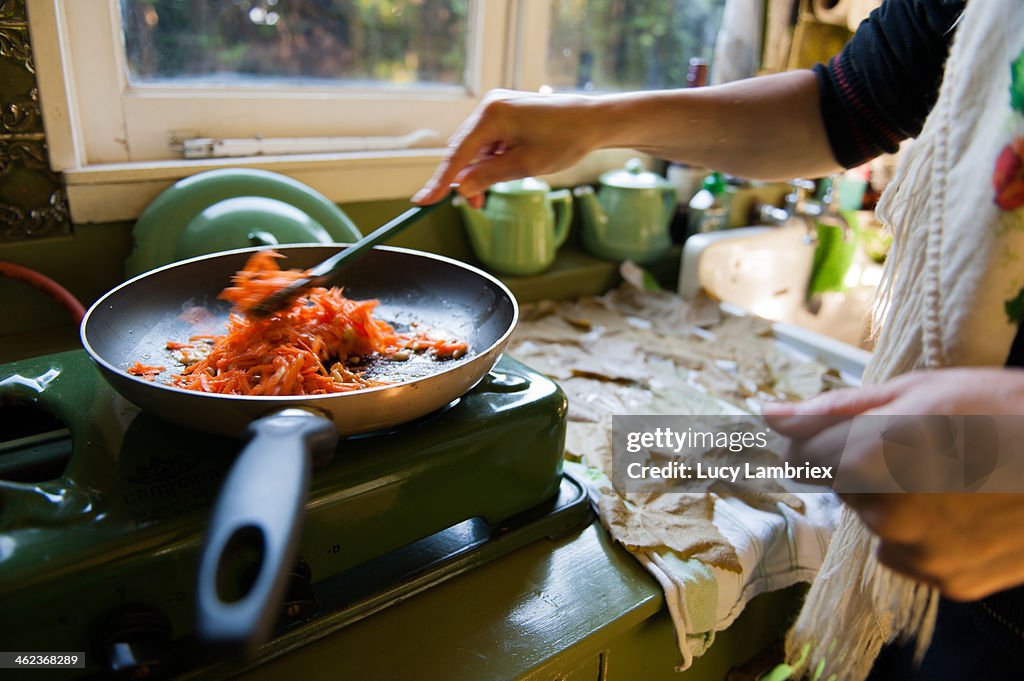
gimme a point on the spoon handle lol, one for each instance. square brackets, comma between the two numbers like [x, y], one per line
[327, 272]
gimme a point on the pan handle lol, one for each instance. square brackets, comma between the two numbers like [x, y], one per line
[254, 532]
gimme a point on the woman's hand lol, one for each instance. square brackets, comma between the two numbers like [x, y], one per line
[512, 135]
[967, 545]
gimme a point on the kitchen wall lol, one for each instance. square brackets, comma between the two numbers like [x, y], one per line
[33, 209]
[32, 202]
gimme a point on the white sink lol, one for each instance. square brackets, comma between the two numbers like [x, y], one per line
[765, 271]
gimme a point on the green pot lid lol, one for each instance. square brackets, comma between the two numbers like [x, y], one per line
[633, 176]
[527, 185]
[231, 208]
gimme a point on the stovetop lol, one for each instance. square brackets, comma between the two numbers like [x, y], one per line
[101, 524]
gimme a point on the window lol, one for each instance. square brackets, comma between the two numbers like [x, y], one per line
[294, 43]
[148, 72]
[123, 82]
[639, 45]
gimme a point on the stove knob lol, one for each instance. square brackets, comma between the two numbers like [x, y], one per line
[299, 602]
[505, 382]
[135, 643]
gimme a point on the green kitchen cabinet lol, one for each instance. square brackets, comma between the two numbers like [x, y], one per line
[577, 609]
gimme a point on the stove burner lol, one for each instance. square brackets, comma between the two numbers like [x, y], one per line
[36, 444]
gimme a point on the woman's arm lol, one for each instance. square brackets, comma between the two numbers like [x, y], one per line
[762, 128]
[874, 94]
[767, 128]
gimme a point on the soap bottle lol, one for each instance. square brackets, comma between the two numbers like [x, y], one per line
[709, 208]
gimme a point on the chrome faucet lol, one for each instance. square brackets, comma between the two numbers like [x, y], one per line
[799, 207]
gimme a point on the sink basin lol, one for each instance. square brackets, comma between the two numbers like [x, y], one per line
[765, 271]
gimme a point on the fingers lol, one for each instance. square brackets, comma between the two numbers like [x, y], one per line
[845, 402]
[478, 176]
[476, 138]
[945, 573]
[903, 519]
[824, 448]
[960, 544]
[462, 154]
[802, 426]
[479, 136]
[513, 135]
[806, 419]
[909, 560]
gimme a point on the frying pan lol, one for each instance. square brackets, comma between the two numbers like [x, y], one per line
[260, 505]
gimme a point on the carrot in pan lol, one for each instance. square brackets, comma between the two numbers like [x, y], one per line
[146, 371]
[305, 349]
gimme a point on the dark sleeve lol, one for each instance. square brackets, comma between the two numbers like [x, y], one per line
[878, 91]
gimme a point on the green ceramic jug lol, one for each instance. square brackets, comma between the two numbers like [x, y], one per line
[520, 227]
[629, 217]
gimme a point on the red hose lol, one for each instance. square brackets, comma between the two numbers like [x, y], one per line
[46, 285]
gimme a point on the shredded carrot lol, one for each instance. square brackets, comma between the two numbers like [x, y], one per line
[145, 371]
[304, 349]
[260, 278]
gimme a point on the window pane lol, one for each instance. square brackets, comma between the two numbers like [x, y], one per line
[628, 44]
[257, 42]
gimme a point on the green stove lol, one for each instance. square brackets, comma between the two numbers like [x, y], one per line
[103, 509]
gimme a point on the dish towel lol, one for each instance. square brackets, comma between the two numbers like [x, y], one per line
[952, 294]
[776, 545]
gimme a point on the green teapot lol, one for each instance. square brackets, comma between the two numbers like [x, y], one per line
[629, 217]
[521, 226]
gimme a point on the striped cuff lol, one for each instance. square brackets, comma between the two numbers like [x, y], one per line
[857, 132]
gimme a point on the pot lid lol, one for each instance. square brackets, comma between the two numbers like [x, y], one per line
[527, 185]
[633, 176]
[233, 208]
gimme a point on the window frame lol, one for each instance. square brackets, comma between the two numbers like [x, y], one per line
[125, 122]
[111, 140]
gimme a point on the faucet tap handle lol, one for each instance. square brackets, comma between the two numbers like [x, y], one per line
[763, 213]
[795, 205]
[799, 190]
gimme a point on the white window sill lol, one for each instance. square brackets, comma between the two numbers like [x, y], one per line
[121, 191]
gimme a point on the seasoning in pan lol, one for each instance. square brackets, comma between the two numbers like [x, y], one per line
[315, 346]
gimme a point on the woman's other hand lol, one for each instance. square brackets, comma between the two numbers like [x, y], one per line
[968, 545]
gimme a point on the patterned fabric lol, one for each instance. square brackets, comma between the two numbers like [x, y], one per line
[1008, 175]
